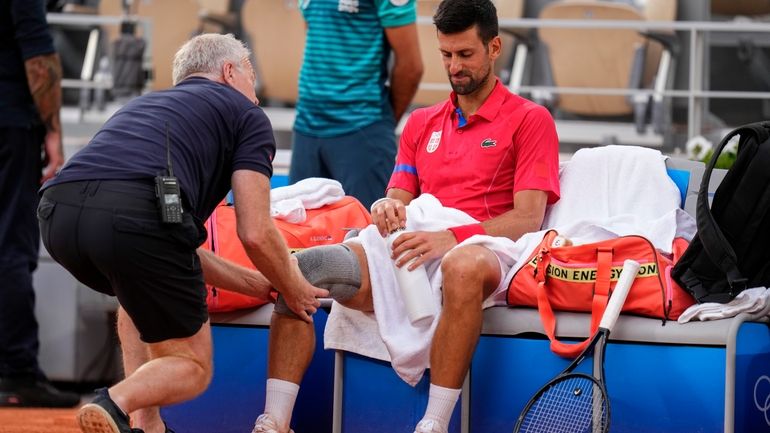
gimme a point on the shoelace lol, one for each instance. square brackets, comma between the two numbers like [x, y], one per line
[427, 426]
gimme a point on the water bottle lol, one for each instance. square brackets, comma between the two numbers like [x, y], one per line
[561, 241]
[415, 287]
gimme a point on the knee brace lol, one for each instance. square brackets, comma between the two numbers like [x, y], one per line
[331, 267]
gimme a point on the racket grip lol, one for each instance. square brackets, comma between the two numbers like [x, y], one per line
[618, 298]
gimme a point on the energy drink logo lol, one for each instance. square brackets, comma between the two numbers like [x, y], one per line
[588, 275]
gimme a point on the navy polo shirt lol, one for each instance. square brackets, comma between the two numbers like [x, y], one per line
[23, 34]
[213, 130]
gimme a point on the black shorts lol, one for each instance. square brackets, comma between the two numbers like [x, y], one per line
[108, 234]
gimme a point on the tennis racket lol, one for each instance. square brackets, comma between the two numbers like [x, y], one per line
[577, 402]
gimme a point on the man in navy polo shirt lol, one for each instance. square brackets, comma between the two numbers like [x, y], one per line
[102, 220]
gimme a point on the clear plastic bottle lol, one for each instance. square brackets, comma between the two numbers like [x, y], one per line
[415, 287]
[561, 241]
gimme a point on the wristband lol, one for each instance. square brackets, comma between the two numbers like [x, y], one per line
[464, 232]
[376, 202]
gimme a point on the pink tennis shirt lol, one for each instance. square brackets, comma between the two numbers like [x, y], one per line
[509, 145]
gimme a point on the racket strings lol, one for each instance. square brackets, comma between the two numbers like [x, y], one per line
[571, 405]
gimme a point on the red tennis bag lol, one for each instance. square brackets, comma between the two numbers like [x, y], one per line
[323, 226]
[581, 277]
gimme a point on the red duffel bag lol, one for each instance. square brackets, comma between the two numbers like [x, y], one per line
[581, 277]
[323, 226]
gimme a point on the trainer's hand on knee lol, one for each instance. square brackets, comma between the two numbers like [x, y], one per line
[389, 215]
[302, 298]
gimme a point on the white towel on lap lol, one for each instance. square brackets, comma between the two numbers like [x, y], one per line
[406, 346]
[289, 202]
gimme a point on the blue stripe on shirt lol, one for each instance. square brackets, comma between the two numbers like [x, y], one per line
[405, 168]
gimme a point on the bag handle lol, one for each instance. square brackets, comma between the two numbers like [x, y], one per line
[714, 241]
[598, 303]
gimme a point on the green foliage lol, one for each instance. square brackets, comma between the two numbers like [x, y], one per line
[726, 159]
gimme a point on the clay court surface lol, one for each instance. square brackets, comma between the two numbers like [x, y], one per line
[38, 421]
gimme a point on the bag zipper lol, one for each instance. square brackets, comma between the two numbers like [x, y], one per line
[667, 294]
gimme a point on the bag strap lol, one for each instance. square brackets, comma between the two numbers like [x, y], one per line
[598, 303]
[714, 241]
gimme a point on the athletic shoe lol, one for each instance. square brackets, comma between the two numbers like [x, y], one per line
[34, 392]
[266, 424]
[429, 426]
[102, 415]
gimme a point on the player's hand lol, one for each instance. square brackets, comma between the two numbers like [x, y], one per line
[302, 297]
[389, 215]
[424, 246]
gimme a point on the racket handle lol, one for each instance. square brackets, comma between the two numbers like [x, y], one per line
[618, 298]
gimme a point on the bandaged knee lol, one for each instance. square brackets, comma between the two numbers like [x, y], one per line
[331, 267]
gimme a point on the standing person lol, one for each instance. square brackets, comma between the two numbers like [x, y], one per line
[30, 85]
[102, 219]
[346, 114]
[486, 152]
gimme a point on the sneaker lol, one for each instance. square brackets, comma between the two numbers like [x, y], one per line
[34, 392]
[102, 415]
[429, 426]
[266, 424]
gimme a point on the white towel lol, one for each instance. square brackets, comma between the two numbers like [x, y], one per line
[406, 346]
[291, 210]
[748, 301]
[624, 189]
[290, 202]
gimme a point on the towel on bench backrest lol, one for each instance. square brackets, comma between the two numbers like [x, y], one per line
[623, 189]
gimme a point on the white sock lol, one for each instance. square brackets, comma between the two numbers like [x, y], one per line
[441, 403]
[279, 400]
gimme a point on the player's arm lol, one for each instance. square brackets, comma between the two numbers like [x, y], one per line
[265, 246]
[525, 217]
[44, 77]
[407, 66]
[223, 273]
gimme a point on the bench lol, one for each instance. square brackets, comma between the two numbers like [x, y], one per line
[662, 377]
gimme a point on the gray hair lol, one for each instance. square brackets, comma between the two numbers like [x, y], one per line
[205, 54]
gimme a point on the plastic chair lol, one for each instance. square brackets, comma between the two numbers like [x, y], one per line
[434, 86]
[748, 51]
[277, 63]
[740, 7]
[173, 22]
[608, 58]
[220, 16]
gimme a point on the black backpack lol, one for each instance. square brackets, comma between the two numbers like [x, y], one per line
[731, 251]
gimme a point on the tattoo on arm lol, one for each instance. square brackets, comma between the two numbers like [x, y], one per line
[44, 77]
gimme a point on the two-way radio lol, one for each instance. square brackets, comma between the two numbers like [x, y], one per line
[168, 192]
